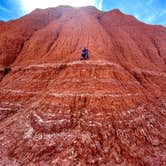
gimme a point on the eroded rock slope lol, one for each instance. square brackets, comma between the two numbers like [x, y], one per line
[57, 110]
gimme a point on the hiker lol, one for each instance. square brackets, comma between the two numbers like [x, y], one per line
[84, 54]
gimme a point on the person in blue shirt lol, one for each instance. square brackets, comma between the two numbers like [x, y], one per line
[84, 54]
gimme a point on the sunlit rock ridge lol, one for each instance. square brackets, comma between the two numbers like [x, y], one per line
[57, 110]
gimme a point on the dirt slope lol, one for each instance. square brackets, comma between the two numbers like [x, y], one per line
[58, 110]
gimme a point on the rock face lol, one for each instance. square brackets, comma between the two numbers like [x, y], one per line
[58, 110]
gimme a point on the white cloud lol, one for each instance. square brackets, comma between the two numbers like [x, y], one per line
[29, 5]
[100, 6]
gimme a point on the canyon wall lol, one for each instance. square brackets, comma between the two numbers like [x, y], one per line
[58, 110]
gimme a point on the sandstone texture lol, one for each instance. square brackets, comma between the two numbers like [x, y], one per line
[105, 111]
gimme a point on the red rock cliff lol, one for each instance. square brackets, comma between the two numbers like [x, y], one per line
[58, 110]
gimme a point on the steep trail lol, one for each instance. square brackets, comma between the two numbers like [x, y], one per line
[57, 110]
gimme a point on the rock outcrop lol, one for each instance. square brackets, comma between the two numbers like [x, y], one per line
[58, 110]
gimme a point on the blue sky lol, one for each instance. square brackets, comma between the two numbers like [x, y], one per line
[149, 11]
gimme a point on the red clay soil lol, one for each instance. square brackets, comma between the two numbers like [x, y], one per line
[58, 110]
